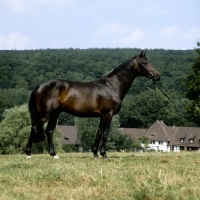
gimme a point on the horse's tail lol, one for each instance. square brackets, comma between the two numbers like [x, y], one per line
[37, 129]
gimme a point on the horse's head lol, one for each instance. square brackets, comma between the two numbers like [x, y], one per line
[145, 69]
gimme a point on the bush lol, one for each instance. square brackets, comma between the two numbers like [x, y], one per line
[15, 130]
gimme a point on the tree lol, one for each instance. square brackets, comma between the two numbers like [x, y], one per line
[87, 129]
[5, 77]
[144, 141]
[192, 82]
[11, 97]
[122, 142]
[15, 130]
[141, 110]
[66, 119]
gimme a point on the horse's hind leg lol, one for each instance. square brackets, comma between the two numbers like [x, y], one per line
[29, 144]
[49, 133]
[36, 135]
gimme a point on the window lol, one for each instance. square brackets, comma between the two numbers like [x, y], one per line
[161, 142]
[191, 140]
[152, 142]
[181, 140]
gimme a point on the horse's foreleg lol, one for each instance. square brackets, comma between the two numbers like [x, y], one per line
[106, 120]
[49, 133]
[97, 140]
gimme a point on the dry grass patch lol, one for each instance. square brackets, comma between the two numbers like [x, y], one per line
[122, 176]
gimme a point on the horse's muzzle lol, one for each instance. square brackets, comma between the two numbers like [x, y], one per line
[156, 77]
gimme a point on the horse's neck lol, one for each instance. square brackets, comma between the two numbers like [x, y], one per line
[122, 80]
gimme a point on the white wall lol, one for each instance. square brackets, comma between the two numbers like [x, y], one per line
[176, 148]
[160, 146]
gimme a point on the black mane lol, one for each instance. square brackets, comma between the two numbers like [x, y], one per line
[118, 69]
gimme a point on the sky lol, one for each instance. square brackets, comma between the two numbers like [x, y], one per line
[57, 24]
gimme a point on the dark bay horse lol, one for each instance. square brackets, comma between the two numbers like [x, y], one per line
[99, 98]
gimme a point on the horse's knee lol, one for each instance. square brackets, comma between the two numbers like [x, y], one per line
[104, 138]
[37, 134]
[33, 129]
[49, 134]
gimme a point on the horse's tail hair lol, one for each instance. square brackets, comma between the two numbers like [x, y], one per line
[38, 133]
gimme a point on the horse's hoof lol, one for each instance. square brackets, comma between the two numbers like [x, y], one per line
[105, 157]
[28, 157]
[55, 157]
[96, 156]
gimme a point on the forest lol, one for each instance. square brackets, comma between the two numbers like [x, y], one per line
[22, 71]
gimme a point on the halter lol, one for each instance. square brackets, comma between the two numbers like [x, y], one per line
[149, 73]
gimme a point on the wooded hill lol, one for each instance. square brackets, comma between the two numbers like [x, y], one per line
[22, 71]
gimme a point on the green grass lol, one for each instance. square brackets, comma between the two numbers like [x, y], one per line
[122, 176]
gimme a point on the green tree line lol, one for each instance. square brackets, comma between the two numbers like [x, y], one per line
[21, 71]
[141, 107]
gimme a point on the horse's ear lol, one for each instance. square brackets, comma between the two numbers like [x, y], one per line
[144, 54]
[140, 55]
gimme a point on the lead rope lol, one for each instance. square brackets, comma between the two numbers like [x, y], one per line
[172, 101]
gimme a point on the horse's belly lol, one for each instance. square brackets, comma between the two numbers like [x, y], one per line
[83, 112]
[82, 108]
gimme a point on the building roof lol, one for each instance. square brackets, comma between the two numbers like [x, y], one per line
[135, 133]
[69, 134]
[158, 131]
[189, 136]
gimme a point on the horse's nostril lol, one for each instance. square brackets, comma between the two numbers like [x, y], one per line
[157, 77]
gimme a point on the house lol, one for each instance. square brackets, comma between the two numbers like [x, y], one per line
[165, 138]
[162, 138]
[157, 134]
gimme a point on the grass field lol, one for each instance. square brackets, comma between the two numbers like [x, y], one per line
[122, 176]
